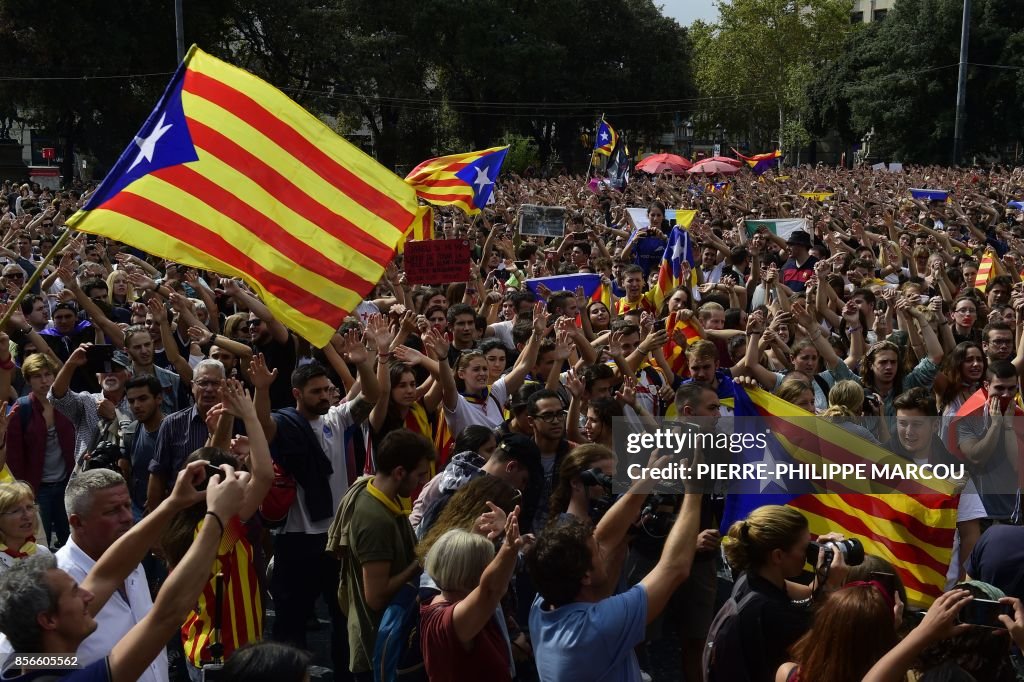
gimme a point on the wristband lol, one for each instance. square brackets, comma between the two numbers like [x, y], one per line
[217, 518]
[853, 329]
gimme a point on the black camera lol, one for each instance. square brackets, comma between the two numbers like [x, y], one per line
[594, 477]
[103, 456]
[852, 551]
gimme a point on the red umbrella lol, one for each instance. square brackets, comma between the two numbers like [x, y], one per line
[663, 163]
[726, 159]
[716, 165]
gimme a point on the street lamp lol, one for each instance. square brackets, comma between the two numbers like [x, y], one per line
[719, 136]
[688, 136]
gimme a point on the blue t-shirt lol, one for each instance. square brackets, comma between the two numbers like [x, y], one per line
[97, 671]
[590, 640]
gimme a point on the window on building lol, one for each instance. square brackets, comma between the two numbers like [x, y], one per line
[880, 14]
[856, 17]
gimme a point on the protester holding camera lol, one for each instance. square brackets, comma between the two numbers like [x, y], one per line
[97, 417]
[769, 612]
[584, 484]
[241, 608]
[41, 446]
[43, 610]
[577, 630]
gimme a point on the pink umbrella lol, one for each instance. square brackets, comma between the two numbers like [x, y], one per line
[663, 163]
[716, 165]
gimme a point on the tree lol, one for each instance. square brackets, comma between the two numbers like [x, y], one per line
[755, 62]
[900, 78]
[102, 40]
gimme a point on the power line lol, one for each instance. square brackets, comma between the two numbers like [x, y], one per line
[85, 78]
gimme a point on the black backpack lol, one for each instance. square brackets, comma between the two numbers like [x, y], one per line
[724, 653]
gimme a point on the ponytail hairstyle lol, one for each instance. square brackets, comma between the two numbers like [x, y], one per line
[749, 543]
[580, 459]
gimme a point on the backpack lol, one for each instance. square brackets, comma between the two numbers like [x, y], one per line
[396, 652]
[724, 653]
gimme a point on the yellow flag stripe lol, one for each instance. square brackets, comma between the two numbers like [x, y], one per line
[154, 240]
[304, 124]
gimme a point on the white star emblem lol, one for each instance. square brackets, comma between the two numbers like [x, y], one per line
[772, 476]
[147, 145]
[677, 250]
[604, 136]
[482, 180]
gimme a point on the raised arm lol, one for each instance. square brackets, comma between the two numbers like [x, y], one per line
[159, 313]
[438, 345]
[112, 331]
[259, 309]
[239, 403]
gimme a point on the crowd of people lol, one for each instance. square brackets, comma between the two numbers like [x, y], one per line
[175, 462]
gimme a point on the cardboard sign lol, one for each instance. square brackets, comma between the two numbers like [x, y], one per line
[544, 221]
[895, 167]
[878, 167]
[437, 261]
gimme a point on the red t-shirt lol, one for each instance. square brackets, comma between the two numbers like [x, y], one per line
[446, 660]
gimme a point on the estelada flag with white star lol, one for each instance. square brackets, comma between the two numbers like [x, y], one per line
[606, 138]
[464, 180]
[229, 174]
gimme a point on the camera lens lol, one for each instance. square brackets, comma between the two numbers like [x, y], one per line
[852, 551]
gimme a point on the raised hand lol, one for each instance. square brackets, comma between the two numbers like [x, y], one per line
[437, 344]
[156, 308]
[261, 376]
[574, 384]
[200, 335]
[378, 332]
[352, 347]
[409, 356]
[627, 392]
[236, 399]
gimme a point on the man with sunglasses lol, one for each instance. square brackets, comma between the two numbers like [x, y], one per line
[547, 418]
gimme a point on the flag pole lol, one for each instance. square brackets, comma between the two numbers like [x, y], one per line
[36, 276]
[596, 131]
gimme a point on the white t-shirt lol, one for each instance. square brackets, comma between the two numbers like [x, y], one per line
[330, 431]
[489, 413]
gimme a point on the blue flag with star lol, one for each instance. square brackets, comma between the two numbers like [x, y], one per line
[606, 138]
[463, 180]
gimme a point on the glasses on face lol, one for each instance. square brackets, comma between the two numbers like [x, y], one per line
[551, 417]
[27, 510]
[14, 275]
[209, 383]
[253, 323]
[965, 311]
[1000, 342]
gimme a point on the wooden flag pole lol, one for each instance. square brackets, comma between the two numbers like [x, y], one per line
[36, 276]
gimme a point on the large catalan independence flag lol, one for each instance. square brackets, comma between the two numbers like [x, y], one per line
[229, 174]
[913, 530]
[463, 180]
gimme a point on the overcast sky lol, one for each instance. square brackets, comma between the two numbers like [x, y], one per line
[685, 11]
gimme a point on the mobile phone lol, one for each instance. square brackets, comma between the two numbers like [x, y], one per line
[985, 613]
[210, 470]
[886, 580]
[100, 358]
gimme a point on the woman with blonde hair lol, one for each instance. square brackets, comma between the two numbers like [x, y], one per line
[460, 637]
[797, 392]
[767, 550]
[18, 524]
[120, 292]
[846, 409]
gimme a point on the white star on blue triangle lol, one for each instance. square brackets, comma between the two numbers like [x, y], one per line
[481, 175]
[163, 141]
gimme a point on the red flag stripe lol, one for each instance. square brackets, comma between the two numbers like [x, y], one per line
[427, 196]
[219, 199]
[852, 525]
[424, 170]
[285, 191]
[879, 508]
[435, 182]
[289, 139]
[203, 239]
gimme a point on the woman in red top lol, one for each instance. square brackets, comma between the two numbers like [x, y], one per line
[459, 632]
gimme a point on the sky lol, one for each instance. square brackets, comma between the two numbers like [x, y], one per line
[685, 11]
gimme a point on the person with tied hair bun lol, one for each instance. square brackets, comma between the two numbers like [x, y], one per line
[766, 550]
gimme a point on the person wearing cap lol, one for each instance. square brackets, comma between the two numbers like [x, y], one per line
[800, 266]
[99, 416]
[67, 334]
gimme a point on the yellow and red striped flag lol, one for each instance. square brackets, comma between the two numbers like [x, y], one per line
[229, 174]
[463, 180]
[989, 268]
[422, 228]
[908, 522]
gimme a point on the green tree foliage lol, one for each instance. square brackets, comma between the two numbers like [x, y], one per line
[93, 38]
[421, 77]
[757, 60]
[900, 77]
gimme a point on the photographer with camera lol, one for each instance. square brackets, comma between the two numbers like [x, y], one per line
[98, 418]
[768, 612]
[584, 485]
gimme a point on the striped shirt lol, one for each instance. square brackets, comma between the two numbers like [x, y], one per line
[81, 410]
[241, 606]
[180, 434]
